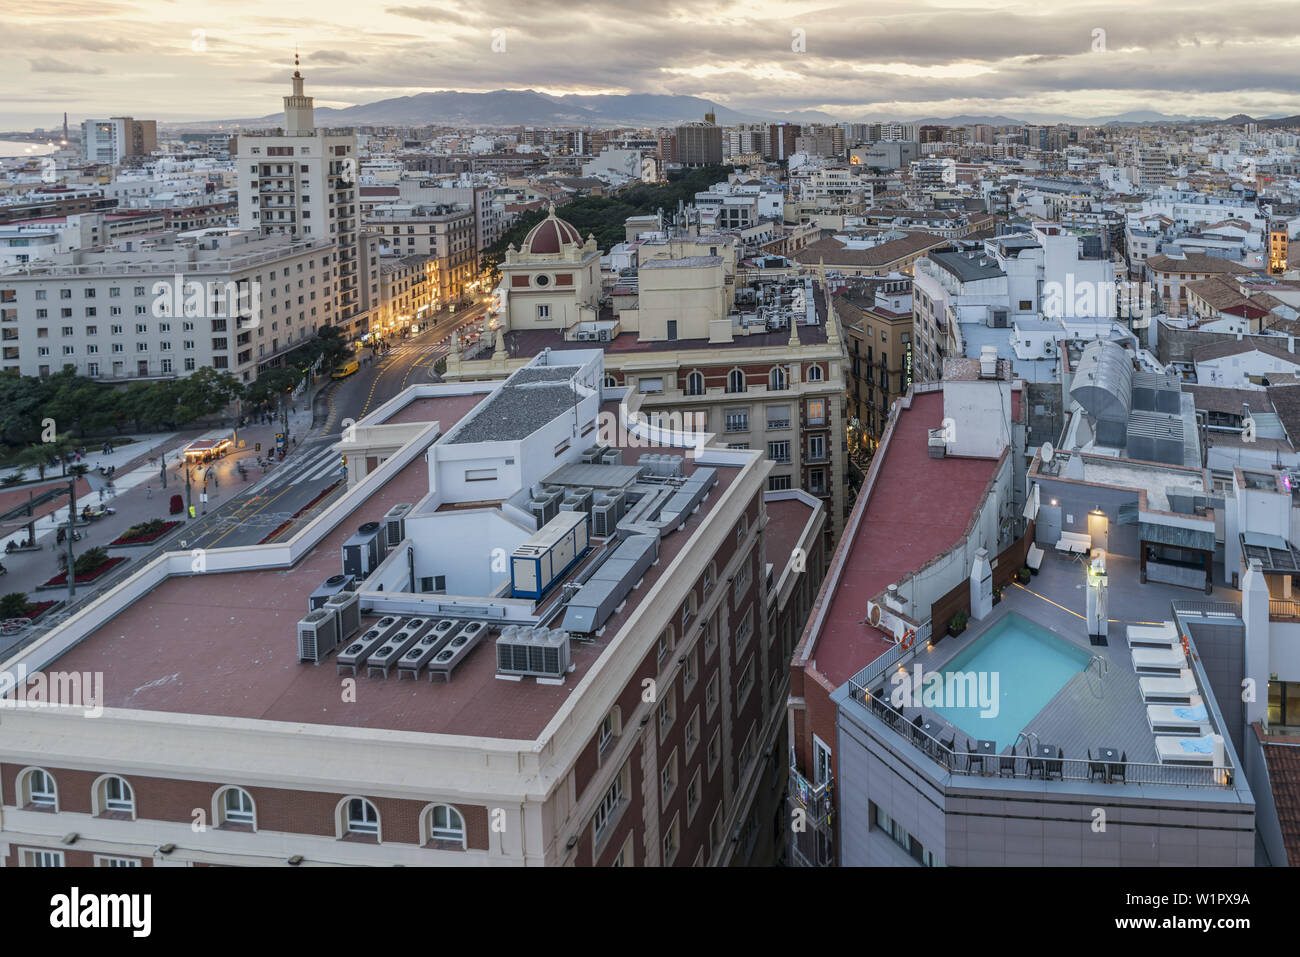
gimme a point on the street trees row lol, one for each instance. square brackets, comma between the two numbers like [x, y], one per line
[46, 413]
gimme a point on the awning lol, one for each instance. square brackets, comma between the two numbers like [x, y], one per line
[1176, 536]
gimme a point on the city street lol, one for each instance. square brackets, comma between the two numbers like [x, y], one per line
[381, 377]
[239, 510]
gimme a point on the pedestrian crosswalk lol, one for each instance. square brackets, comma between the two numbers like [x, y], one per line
[309, 466]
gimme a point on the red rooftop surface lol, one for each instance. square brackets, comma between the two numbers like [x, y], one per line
[225, 644]
[446, 410]
[918, 508]
[786, 519]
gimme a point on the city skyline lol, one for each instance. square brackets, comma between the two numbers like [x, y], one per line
[178, 62]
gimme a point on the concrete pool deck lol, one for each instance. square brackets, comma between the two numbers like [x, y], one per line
[1090, 711]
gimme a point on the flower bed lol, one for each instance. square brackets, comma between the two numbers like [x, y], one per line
[144, 533]
[37, 608]
[298, 514]
[87, 576]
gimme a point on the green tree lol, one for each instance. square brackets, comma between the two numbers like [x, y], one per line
[13, 605]
[21, 399]
[79, 403]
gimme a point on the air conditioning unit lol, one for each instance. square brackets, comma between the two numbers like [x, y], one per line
[318, 635]
[578, 500]
[586, 336]
[592, 455]
[533, 652]
[605, 513]
[330, 586]
[347, 606]
[612, 457]
[363, 552]
[395, 523]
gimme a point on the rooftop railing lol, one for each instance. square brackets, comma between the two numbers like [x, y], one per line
[951, 753]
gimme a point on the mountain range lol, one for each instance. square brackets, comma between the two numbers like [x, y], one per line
[503, 108]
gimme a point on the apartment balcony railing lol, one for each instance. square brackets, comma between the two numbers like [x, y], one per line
[811, 837]
[1280, 609]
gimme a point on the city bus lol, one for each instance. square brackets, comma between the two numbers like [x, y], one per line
[345, 370]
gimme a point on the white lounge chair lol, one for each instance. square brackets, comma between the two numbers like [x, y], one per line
[1183, 719]
[1034, 558]
[1164, 635]
[1075, 543]
[1173, 690]
[1159, 661]
[1207, 750]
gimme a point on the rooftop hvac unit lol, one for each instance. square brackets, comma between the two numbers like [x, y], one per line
[605, 513]
[534, 652]
[330, 586]
[363, 552]
[586, 336]
[611, 457]
[603, 335]
[579, 500]
[347, 606]
[394, 646]
[672, 465]
[544, 508]
[318, 635]
[395, 523]
[456, 650]
[592, 455]
[356, 652]
[425, 647]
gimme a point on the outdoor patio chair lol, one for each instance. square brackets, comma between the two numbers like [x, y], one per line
[1055, 768]
[1095, 767]
[1008, 763]
[1117, 770]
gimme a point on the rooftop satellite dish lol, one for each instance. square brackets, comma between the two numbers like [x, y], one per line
[1048, 453]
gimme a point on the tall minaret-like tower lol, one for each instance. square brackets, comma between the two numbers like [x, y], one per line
[298, 115]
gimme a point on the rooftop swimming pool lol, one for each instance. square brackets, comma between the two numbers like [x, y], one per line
[1025, 663]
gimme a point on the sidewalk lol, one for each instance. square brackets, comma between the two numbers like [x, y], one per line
[138, 495]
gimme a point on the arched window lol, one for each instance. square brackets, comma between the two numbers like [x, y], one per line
[362, 817]
[776, 381]
[735, 381]
[446, 824]
[695, 384]
[236, 807]
[611, 382]
[114, 796]
[814, 373]
[37, 790]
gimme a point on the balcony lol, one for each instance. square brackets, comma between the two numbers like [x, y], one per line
[814, 845]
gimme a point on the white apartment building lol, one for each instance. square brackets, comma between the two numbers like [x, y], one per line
[166, 307]
[110, 141]
[25, 242]
[301, 181]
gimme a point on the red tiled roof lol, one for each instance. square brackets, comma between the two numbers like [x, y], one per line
[918, 508]
[1282, 755]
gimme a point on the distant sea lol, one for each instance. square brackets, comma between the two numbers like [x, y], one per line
[18, 148]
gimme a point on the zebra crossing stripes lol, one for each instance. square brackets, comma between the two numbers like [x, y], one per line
[311, 467]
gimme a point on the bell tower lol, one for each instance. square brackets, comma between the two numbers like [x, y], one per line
[298, 112]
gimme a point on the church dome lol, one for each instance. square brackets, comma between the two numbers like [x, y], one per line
[549, 235]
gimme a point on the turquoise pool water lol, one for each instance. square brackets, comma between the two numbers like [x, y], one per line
[1031, 665]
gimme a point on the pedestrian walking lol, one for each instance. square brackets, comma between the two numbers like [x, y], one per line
[101, 496]
[148, 493]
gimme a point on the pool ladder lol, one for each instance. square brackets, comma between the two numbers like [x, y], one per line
[1103, 667]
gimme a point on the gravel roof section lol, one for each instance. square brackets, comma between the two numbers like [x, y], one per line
[531, 398]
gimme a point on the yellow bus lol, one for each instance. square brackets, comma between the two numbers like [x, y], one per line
[345, 370]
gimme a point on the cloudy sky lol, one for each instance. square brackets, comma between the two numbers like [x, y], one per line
[189, 60]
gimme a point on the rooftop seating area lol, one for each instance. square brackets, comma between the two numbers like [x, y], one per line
[1108, 723]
